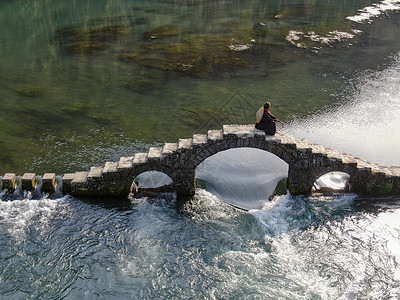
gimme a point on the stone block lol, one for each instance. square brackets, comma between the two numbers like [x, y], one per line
[110, 167]
[199, 139]
[215, 135]
[140, 158]
[48, 182]
[317, 148]
[240, 131]
[303, 145]
[169, 148]
[110, 171]
[125, 162]
[154, 153]
[66, 182]
[185, 143]
[80, 178]
[288, 139]
[9, 181]
[80, 185]
[79, 181]
[28, 181]
[95, 173]
[333, 153]
[348, 159]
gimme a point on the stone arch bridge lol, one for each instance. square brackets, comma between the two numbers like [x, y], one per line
[307, 162]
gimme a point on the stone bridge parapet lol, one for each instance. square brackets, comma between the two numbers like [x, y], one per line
[307, 162]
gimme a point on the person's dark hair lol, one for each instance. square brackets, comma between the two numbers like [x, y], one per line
[267, 105]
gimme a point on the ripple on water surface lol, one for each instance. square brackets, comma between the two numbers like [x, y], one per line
[317, 247]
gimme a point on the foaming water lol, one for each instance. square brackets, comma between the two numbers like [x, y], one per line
[294, 248]
[243, 177]
[367, 124]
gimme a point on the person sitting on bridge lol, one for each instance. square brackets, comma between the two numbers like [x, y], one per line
[265, 120]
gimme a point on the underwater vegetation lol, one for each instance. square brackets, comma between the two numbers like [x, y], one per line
[30, 90]
[97, 35]
[77, 40]
[173, 48]
[199, 117]
[193, 54]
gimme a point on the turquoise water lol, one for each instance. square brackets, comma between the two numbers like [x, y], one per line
[86, 82]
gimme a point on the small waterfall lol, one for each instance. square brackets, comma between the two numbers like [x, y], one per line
[332, 182]
[18, 192]
[37, 192]
[34, 193]
[244, 177]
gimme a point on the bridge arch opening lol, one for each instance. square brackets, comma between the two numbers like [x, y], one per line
[244, 177]
[151, 183]
[332, 182]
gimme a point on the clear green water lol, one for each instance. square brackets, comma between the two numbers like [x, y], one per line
[64, 110]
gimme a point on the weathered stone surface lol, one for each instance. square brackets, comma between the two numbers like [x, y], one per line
[185, 143]
[110, 172]
[80, 185]
[348, 159]
[169, 148]
[200, 139]
[80, 178]
[48, 182]
[215, 135]
[95, 173]
[125, 162]
[9, 181]
[110, 167]
[154, 153]
[317, 148]
[239, 130]
[28, 181]
[288, 139]
[303, 144]
[66, 182]
[140, 158]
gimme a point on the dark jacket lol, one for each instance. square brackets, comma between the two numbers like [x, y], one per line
[267, 123]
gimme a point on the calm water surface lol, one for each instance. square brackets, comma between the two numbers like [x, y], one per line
[84, 82]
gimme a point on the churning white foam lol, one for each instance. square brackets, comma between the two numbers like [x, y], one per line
[18, 216]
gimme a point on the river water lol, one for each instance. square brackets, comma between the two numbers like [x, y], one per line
[86, 82]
